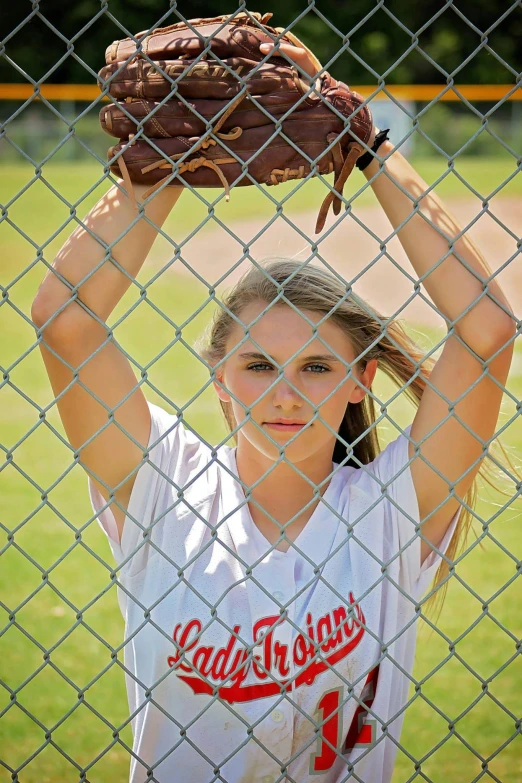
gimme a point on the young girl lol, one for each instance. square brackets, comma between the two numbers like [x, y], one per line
[270, 590]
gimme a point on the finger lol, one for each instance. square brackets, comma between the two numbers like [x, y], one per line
[283, 47]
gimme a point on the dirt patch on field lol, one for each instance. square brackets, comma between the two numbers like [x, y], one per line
[382, 276]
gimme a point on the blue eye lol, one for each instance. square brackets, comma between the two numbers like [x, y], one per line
[255, 367]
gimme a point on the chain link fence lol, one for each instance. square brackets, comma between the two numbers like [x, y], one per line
[67, 657]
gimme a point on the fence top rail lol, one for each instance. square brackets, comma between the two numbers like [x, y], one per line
[412, 92]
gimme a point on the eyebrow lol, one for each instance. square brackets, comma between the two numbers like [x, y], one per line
[317, 357]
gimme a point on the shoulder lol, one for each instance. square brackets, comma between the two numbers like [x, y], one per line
[386, 466]
[171, 432]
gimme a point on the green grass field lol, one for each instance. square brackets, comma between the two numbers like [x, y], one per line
[55, 647]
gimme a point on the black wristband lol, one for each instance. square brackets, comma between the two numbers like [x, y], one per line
[366, 159]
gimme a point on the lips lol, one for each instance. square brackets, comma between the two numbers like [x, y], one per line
[284, 427]
[287, 421]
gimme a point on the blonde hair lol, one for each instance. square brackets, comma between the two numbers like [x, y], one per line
[373, 336]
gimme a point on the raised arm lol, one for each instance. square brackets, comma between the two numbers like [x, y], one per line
[428, 229]
[74, 336]
[459, 409]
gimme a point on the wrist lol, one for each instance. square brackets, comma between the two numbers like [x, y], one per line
[164, 198]
[172, 190]
[368, 157]
[386, 148]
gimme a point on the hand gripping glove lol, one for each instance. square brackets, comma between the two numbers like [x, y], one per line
[212, 117]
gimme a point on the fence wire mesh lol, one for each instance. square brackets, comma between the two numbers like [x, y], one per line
[287, 730]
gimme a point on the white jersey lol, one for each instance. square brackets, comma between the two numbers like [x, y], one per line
[225, 681]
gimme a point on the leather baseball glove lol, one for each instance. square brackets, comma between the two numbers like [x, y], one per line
[202, 103]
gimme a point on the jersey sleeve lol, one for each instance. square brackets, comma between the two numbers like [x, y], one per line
[170, 447]
[392, 467]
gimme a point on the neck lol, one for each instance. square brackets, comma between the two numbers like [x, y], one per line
[283, 492]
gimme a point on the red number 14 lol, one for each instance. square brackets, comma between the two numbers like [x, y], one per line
[328, 712]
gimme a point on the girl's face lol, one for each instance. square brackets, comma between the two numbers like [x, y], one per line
[315, 377]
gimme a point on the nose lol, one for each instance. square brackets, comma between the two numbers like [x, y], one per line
[286, 396]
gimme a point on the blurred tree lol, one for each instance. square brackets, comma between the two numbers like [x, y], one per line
[401, 42]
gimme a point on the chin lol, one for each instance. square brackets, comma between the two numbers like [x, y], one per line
[296, 451]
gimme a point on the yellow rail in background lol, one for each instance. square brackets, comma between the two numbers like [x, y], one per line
[407, 92]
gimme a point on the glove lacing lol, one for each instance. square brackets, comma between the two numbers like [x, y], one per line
[343, 168]
[194, 163]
